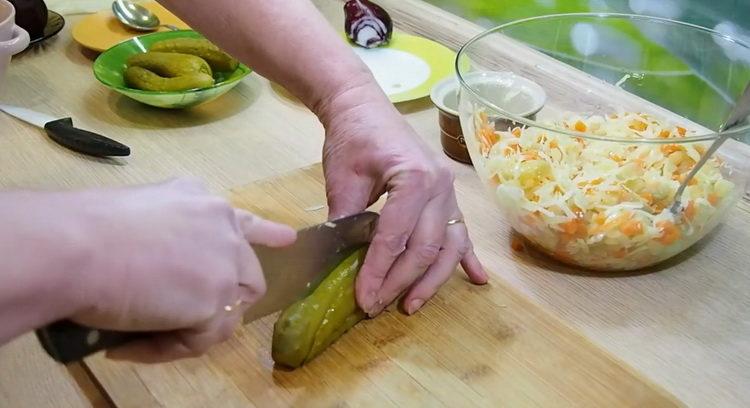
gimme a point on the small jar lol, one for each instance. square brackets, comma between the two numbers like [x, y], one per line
[519, 95]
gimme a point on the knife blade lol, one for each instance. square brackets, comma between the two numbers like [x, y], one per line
[62, 131]
[290, 274]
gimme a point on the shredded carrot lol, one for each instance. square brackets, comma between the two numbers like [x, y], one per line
[531, 155]
[562, 255]
[553, 144]
[665, 134]
[621, 253]
[700, 149]
[496, 179]
[631, 228]
[713, 199]
[648, 197]
[690, 210]
[574, 227]
[530, 219]
[669, 232]
[516, 132]
[670, 148]
[488, 138]
[681, 130]
[638, 125]
[580, 126]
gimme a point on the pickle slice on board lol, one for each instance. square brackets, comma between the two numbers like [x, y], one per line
[310, 325]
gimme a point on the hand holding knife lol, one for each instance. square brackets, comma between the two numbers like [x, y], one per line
[62, 131]
[290, 273]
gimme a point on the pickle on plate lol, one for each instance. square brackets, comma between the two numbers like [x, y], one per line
[169, 64]
[218, 60]
[143, 79]
[310, 325]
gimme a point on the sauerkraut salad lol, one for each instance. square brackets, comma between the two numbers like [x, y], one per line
[603, 205]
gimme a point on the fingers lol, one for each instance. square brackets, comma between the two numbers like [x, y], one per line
[473, 268]
[179, 344]
[252, 284]
[397, 221]
[191, 185]
[457, 246]
[257, 230]
[422, 250]
[349, 201]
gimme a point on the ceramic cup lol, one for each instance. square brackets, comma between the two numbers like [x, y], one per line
[520, 95]
[13, 39]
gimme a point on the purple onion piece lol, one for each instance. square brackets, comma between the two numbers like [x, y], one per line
[367, 24]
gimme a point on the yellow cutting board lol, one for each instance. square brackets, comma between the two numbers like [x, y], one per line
[470, 346]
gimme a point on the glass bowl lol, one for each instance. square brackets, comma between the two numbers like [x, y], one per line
[110, 66]
[632, 103]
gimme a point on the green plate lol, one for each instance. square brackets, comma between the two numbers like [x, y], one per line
[111, 64]
[409, 66]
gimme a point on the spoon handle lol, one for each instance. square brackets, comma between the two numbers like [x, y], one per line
[739, 113]
[676, 206]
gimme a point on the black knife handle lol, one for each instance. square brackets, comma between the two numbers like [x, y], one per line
[67, 342]
[64, 133]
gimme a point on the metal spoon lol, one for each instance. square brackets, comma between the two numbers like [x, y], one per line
[739, 113]
[137, 17]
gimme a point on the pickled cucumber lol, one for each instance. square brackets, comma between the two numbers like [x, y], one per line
[216, 58]
[170, 65]
[141, 78]
[310, 325]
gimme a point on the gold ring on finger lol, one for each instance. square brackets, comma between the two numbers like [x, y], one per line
[229, 308]
[456, 221]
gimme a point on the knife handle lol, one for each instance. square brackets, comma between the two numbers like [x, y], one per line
[67, 342]
[64, 133]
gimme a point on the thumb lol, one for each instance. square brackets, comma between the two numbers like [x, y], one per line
[258, 230]
[347, 199]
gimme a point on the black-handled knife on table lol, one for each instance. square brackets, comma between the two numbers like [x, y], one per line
[62, 131]
[290, 273]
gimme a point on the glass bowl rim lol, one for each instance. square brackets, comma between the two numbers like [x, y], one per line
[464, 85]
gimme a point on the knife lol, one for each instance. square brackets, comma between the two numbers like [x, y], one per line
[290, 274]
[65, 134]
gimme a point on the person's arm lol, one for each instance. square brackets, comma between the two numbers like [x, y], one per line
[41, 254]
[166, 258]
[288, 42]
[369, 148]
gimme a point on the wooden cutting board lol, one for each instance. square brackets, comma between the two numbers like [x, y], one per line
[482, 346]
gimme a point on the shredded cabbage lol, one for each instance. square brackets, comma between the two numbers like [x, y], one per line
[603, 205]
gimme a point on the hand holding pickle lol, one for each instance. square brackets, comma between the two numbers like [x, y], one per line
[178, 64]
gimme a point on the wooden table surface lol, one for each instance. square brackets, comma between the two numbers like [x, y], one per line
[685, 327]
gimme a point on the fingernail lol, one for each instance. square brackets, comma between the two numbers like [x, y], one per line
[376, 308]
[415, 305]
[370, 301]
